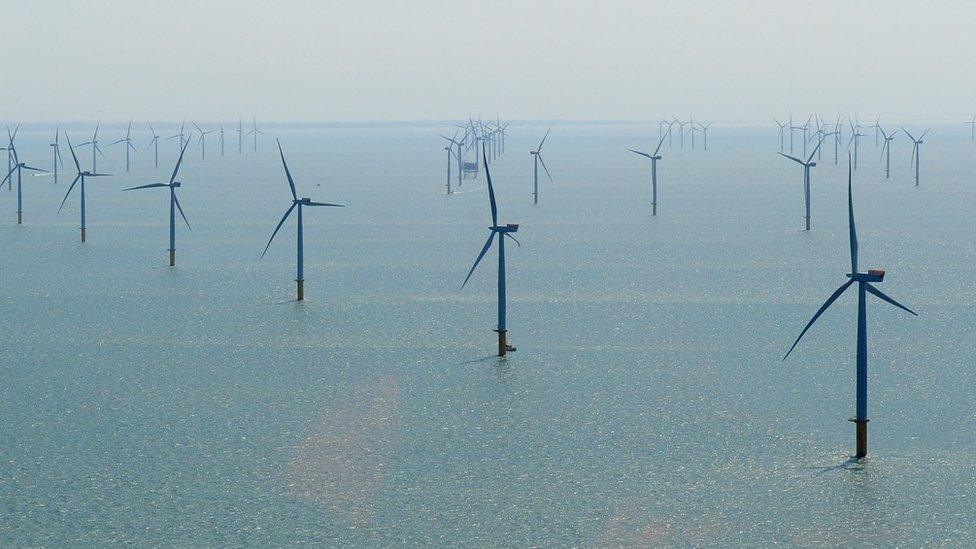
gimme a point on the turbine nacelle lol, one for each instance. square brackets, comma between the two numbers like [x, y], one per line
[509, 228]
[305, 201]
[175, 184]
[873, 275]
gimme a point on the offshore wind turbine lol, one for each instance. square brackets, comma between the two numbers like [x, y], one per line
[255, 131]
[202, 141]
[57, 152]
[915, 150]
[704, 130]
[18, 167]
[128, 145]
[806, 179]
[502, 232]
[451, 159]
[654, 158]
[864, 286]
[886, 150]
[181, 135]
[154, 143]
[877, 130]
[782, 132]
[537, 159]
[80, 177]
[856, 136]
[220, 133]
[298, 203]
[240, 136]
[972, 128]
[10, 150]
[681, 132]
[174, 203]
[94, 145]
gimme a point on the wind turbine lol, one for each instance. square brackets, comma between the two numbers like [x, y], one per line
[856, 136]
[681, 132]
[154, 143]
[864, 286]
[782, 127]
[202, 141]
[451, 159]
[806, 178]
[915, 150]
[240, 136]
[94, 145]
[220, 133]
[57, 152]
[181, 135]
[18, 167]
[80, 177]
[174, 203]
[502, 232]
[877, 129]
[704, 130]
[654, 158]
[886, 150]
[10, 152]
[537, 159]
[972, 128]
[255, 131]
[128, 145]
[692, 129]
[296, 203]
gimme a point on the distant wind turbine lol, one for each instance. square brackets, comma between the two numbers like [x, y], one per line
[451, 158]
[154, 143]
[10, 150]
[220, 133]
[915, 150]
[864, 286]
[782, 128]
[18, 167]
[240, 137]
[298, 203]
[94, 145]
[806, 178]
[57, 152]
[181, 135]
[80, 177]
[537, 159]
[886, 150]
[654, 158]
[502, 232]
[972, 128]
[202, 141]
[255, 131]
[856, 136]
[704, 130]
[174, 203]
[128, 145]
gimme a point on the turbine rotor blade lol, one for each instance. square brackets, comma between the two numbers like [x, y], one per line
[180, 208]
[280, 223]
[149, 186]
[484, 250]
[830, 300]
[885, 297]
[291, 182]
[72, 186]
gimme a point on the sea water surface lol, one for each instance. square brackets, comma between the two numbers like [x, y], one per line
[647, 402]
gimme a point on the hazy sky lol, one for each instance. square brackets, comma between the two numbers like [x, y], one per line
[424, 59]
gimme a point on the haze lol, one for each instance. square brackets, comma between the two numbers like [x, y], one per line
[304, 61]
